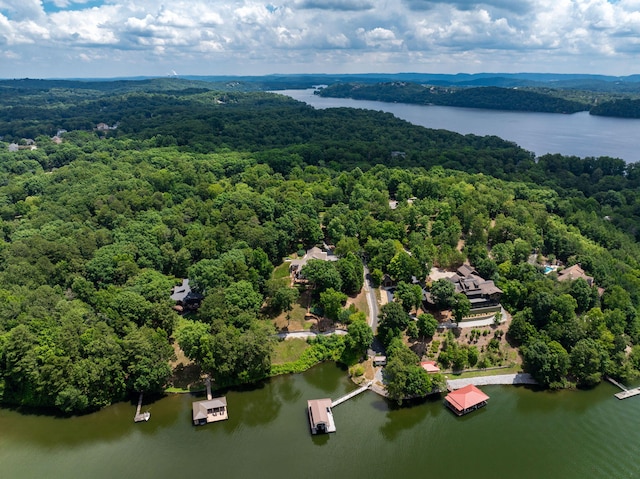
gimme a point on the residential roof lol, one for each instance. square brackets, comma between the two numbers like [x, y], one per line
[430, 366]
[574, 272]
[318, 411]
[466, 270]
[466, 397]
[313, 253]
[200, 408]
[184, 292]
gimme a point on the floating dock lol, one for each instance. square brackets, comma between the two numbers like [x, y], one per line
[141, 416]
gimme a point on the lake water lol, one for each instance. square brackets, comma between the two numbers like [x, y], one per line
[579, 134]
[520, 434]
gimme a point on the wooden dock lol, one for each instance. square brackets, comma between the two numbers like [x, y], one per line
[626, 392]
[352, 394]
[141, 416]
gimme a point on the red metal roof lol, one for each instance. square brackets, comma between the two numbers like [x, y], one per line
[466, 397]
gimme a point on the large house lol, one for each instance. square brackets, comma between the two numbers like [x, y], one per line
[296, 265]
[482, 293]
[574, 272]
[186, 299]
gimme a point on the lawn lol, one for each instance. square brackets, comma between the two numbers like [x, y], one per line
[281, 271]
[296, 321]
[288, 350]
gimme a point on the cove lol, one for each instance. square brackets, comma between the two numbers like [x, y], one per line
[521, 433]
[579, 134]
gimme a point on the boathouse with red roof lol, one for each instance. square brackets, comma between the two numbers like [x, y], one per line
[464, 400]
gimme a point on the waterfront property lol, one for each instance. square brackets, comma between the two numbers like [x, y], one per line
[483, 295]
[320, 416]
[464, 400]
[210, 410]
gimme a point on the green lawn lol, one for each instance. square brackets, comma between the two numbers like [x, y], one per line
[289, 350]
[281, 271]
[486, 372]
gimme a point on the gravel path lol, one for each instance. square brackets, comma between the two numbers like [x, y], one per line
[519, 378]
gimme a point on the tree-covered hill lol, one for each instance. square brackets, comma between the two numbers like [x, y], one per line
[219, 187]
[556, 98]
[489, 97]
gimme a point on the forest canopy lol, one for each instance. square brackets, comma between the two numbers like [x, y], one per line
[219, 187]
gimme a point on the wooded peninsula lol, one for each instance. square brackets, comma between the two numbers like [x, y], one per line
[112, 193]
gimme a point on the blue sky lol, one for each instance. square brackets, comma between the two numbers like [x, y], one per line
[110, 38]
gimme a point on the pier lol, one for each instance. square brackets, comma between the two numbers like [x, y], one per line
[352, 394]
[626, 392]
[141, 416]
[210, 410]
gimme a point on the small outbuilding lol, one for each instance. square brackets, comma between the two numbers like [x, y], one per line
[430, 366]
[464, 400]
[379, 360]
[320, 416]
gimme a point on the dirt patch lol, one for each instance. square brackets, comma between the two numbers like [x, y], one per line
[186, 374]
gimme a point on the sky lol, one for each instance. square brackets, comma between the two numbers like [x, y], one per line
[120, 38]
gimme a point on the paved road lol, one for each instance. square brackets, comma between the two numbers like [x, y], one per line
[519, 378]
[372, 301]
[309, 334]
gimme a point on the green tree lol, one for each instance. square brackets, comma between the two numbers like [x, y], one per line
[322, 275]
[351, 272]
[461, 306]
[409, 295]
[442, 293]
[359, 336]
[393, 321]
[332, 302]
[427, 325]
[588, 362]
[548, 362]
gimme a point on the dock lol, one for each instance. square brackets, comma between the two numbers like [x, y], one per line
[352, 394]
[141, 416]
[210, 410]
[626, 392]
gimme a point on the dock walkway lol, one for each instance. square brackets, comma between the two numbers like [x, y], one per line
[352, 394]
[141, 416]
[626, 392]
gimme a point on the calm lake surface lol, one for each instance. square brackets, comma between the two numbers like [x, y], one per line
[579, 134]
[522, 433]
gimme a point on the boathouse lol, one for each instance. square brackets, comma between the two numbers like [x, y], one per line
[320, 416]
[464, 400]
[211, 409]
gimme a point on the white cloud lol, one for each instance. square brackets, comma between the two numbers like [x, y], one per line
[329, 35]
